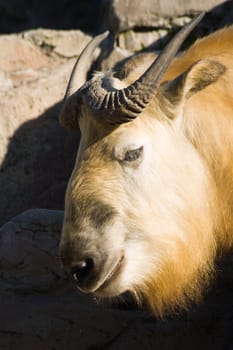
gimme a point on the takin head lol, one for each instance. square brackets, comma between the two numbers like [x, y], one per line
[139, 203]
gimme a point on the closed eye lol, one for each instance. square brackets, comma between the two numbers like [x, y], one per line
[133, 155]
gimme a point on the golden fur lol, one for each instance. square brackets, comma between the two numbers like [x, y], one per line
[182, 216]
[208, 124]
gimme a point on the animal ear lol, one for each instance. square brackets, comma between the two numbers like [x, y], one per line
[198, 77]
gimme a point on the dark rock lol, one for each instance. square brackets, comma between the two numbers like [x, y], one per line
[16, 16]
[128, 14]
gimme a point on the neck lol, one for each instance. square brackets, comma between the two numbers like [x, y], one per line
[211, 132]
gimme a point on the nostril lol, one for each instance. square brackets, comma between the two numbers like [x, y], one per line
[81, 270]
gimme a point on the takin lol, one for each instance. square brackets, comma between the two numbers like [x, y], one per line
[149, 203]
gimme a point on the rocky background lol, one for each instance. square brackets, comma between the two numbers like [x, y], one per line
[40, 309]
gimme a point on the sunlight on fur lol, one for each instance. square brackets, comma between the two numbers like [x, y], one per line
[160, 183]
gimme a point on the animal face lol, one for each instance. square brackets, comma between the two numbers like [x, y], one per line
[131, 206]
[140, 209]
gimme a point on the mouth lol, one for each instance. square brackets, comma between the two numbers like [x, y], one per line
[111, 276]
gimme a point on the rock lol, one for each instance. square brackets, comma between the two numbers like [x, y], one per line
[18, 53]
[41, 308]
[138, 41]
[128, 14]
[67, 44]
[150, 25]
[29, 245]
[36, 154]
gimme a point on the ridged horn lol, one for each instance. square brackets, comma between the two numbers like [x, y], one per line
[81, 67]
[71, 103]
[120, 106]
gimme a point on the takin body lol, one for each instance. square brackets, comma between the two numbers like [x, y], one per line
[150, 200]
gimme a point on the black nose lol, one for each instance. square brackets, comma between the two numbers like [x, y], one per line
[82, 272]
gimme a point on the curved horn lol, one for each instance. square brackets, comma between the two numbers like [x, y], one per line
[82, 65]
[126, 104]
[68, 114]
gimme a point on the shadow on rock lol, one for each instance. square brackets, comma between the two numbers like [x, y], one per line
[22, 15]
[37, 165]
